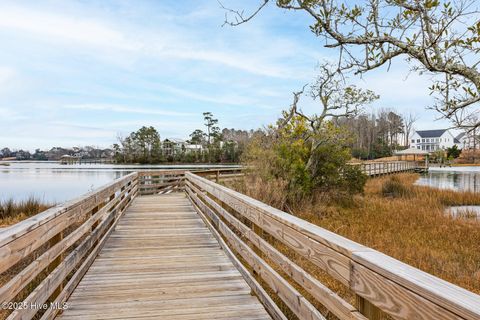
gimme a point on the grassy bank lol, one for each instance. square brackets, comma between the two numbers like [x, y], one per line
[404, 221]
[12, 211]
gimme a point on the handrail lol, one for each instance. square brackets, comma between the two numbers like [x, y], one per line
[162, 181]
[381, 168]
[51, 251]
[379, 281]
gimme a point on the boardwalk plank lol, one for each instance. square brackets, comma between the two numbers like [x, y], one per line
[162, 262]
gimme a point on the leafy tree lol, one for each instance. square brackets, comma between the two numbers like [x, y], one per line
[336, 99]
[438, 156]
[453, 152]
[142, 146]
[39, 155]
[213, 136]
[305, 170]
[197, 137]
[437, 37]
[213, 131]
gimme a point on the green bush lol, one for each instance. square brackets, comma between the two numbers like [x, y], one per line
[308, 165]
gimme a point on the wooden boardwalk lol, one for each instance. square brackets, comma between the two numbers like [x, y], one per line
[124, 251]
[161, 261]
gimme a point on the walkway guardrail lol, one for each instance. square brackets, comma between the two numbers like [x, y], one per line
[43, 258]
[381, 168]
[382, 285]
[52, 250]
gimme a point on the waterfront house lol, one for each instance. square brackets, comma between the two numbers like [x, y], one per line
[469, 140]
[432, 140]
[173, 146]
[193, 148]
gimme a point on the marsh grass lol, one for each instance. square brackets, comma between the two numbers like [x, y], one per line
[398, 218]
[12, 211]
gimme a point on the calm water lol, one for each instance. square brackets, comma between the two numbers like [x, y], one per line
[455, 178]
[53, 182]
[470, 212]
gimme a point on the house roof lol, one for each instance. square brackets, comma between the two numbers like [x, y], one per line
[431, 133]
[455, 140]
[460, 136]
[174, 140]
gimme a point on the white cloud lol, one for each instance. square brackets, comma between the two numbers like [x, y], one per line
[10, 115]
[6, 74]
[126, 109]
[170, 41]
[74, 29]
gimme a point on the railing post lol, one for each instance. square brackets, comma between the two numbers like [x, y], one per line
[56, 239]
[368, 309]
[217, 177]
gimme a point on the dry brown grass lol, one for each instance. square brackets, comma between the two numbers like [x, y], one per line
[12, 212]
[410, 226]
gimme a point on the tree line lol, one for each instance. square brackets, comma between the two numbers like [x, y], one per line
[379, 134]
[207, 145]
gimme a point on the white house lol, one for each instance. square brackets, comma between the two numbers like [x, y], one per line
[469, 140]
[432, 140]
[173, 146]
[193, 148]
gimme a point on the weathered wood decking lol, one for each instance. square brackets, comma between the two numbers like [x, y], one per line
[203, 251]
[162, 262]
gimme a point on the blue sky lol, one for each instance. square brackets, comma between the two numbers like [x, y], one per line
[76, 73]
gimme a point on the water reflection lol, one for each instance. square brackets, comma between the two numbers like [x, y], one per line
[457, 178]
[53, 182]
[468, 212]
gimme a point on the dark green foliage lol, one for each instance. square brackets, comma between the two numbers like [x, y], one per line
[145, 146]
[283, 154]
[354, 179]
[142, 146]
[453, 152]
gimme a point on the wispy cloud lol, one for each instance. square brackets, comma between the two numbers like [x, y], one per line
[54, 27]
[6, 74]
[126, 109]
[77, 70]
[169, 42]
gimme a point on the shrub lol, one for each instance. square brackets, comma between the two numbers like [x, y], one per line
[306, 165]
[393, 187]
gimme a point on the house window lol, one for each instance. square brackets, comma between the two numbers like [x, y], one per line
[418, 140]
[413, 140]
[423, 140]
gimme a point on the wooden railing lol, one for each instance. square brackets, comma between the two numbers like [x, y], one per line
[381, 284]
[381, 168]
[162, 181]
[45, 256]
